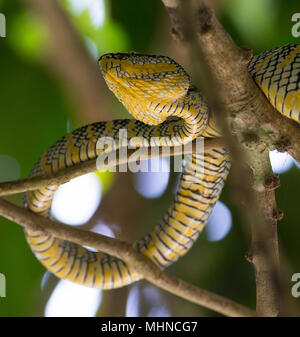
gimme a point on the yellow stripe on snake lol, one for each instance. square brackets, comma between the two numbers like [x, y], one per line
[153, 89]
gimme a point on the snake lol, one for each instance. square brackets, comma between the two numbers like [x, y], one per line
[165, 105]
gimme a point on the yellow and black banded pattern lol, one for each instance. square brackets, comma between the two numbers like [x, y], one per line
[155, 89]
[277, 72]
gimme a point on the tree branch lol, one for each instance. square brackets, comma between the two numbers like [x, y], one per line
[65, 175]
[264, 253]
[258, 127]
[124, 251]
[249, 112]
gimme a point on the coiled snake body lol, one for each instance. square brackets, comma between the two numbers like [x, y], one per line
[154, 88]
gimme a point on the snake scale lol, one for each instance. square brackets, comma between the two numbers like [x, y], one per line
[158, 93]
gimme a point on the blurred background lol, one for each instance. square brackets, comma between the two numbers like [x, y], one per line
[50, 85]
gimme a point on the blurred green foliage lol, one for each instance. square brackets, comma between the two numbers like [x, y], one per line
[35, 111]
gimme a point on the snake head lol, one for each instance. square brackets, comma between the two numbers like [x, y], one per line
[142, 82]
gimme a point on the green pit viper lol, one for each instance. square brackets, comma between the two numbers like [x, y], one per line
[159, 94]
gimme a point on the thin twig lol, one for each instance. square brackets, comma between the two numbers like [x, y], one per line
[124, 251]
[65, 175]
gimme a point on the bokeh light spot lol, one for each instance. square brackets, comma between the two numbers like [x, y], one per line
[95, 8]
[75, 202]
[280, 161]
[73, 300]
[133, 302]
[219, 222]
[153, 184]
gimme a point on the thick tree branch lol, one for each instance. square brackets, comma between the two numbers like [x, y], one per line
[124, 251]
[249, 112]
[231, 92]
[264, 246]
